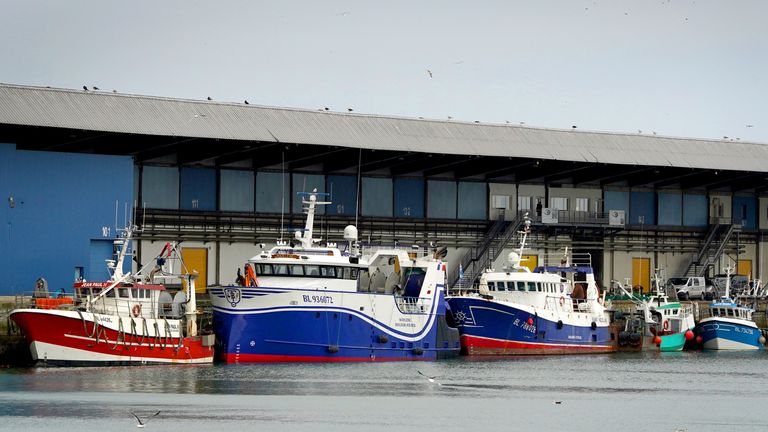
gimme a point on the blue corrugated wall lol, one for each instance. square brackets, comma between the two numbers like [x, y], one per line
[472, 201]
[670, 209]
[343, 190]
[409, 197]
[642, 208]
[694, 210]
[617, 200]
[198, 189]
[744, 211]
[441, 199]
[237, 190]
[61, 201]
[376, 197]
[160, 187]
[272, 192]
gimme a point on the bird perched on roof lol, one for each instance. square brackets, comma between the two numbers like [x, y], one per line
[246, 101]
[94, 87]
[209, 98]
[85, 88]
[349, 109]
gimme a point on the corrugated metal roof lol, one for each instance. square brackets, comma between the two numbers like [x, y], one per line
[111, 112]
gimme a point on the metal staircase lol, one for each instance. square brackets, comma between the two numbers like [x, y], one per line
[480, 257]
[714, 244]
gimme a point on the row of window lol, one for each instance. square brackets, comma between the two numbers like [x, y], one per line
[134, 293]
[310, 270]
[558, 203]
[729, 312]
[523, 286]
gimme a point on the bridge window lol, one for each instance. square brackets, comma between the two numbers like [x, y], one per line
[280, 269]
[521, 286]
[312, 270]
[297, 270]
[491, 286]
[327, 271]
[531, 286]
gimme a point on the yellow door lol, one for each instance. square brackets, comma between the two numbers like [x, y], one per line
[530, 261]
[196, 260]
[745, 268]
[641, 273]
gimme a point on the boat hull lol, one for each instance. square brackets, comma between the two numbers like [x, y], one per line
[279, 330]
[725, 334]
[66, 338]
[491, 328]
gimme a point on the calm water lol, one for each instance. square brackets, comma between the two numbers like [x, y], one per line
[697, 391]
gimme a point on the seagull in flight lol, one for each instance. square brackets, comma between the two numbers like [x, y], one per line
[558, 402]
[429, 378]
[430, 73]
[143, 423]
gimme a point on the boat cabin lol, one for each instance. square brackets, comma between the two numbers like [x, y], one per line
[134, 300]
[726, 310]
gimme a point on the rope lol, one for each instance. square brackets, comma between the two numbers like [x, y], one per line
[120, 333]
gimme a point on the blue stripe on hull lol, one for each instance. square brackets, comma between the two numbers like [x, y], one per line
[506, 323]
[727, 335]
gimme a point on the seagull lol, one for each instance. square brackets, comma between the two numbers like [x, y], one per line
[85, 88]
[143, 423]
[558, 402]
[95, 88]
[750, 125]
[246, 101]
[209, 98]
[430, 73]
[349, 109]
[429, 378]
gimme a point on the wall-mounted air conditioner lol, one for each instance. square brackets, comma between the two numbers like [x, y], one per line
[549, 216]
[616, 217]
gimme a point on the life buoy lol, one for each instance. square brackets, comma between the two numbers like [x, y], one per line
[562, 300]
[666, 325]
[136, 310]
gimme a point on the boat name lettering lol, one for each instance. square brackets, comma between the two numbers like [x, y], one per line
[524, 325]
[405, 322]
[743, 330]
[574, 337]
[102, 319]
[317, 299]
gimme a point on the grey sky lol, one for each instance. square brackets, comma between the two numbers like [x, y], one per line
[680, 67]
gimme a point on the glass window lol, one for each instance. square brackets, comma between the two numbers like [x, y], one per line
[280, 269]
[296, 270]
[328, 271]
[501, 286]
[339, 272]
[538, 286]
[531, 286]
[558, 203]
[523, 202]
[264, 269]
[122, 292]
[582, 204]
[491, 286]
[730, 312]
[520, 286]
[312, 270]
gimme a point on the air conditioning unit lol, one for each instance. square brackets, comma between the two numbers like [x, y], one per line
[549, 216]
[616, 217]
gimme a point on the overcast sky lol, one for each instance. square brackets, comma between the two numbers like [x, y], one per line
[681, 67]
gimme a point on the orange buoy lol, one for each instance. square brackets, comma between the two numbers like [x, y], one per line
[657, 340]
[699, 339]
[688, 335]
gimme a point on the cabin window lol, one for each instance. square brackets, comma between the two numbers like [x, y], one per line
[521, 286]
[264, 269]
[122, 292]
[312, 270]
[538, 287]
[501, 286]
[296, 270]
[280, 269]
[531, 286]
[730, 312]
[350, 273]
[491, 286]
[327, 271]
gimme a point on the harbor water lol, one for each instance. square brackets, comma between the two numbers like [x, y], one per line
[693, 391]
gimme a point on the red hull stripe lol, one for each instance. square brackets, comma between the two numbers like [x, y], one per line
[271, 358]
[68, 332]
[480, 345]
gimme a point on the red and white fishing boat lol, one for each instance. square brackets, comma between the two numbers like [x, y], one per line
[128, 320]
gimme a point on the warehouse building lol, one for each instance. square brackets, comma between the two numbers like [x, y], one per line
[224, 177]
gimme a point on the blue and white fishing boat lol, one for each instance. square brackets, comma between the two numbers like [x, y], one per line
[730, 325]
[552, 310]
[313, 303]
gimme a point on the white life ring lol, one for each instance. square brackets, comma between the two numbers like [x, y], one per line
[136, 310]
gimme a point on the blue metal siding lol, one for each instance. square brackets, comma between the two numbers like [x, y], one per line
[694, 210]
[307, 183]
[236, 190]
[269, 186]
[670, 209]
[642, 208]
[198, 189]
[100, 251]
[61, 202]
[745, 211]
[160, 187]
[377, 197]
[617, 200]
[441, 199]
[409, 197]
[343, 190]
[473, 200]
